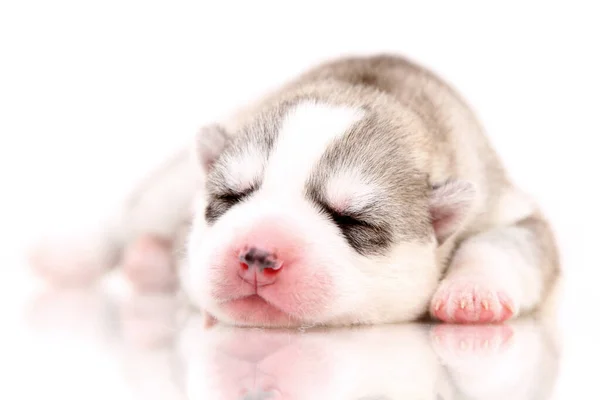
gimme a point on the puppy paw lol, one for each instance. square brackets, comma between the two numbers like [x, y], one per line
[149, 265]
[472, 299]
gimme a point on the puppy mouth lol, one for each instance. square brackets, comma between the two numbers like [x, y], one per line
[254, 299]
[253, 295]
[255, 310]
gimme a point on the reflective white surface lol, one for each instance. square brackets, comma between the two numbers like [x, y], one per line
[89, 344]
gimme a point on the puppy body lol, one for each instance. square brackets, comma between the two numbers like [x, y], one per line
[388, 167]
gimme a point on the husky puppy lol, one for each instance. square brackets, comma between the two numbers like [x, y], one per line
[363, 192]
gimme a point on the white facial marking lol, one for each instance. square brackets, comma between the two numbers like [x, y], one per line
[243, 170]
[349, 191]
[303, 138]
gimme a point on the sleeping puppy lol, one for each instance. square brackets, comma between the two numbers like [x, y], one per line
[363, 192]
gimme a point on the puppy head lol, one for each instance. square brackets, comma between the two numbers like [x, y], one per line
[316, 214]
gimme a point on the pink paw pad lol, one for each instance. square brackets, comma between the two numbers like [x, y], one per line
[467, 301]
[148, 263]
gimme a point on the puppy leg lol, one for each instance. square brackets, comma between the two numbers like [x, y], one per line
[498, 274]
[157, 208]
[149, 264]
[75, 260]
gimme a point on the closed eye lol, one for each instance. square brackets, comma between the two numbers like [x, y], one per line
[233, 197]
[365, 237]
[342, 219]
[363, 232]
[220, 203]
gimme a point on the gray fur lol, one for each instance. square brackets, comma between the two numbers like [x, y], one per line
[261, 133]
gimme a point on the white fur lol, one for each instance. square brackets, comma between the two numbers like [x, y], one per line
[513, 207]
[304, 135]
[244, 170]
[349, 190]
[395, 287]
[493, 257]
[165, 203]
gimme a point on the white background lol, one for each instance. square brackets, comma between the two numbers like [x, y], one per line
[94, 92]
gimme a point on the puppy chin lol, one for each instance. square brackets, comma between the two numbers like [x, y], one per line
[262, 316]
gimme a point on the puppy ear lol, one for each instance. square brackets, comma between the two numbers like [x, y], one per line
[210, 143]
[449, 205]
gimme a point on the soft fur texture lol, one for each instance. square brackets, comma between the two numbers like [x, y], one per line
[372, 183]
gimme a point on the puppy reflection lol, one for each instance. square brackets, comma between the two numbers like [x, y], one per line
[516, 361]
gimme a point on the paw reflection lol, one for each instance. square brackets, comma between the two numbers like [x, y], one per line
[455, 341]
[497, 362]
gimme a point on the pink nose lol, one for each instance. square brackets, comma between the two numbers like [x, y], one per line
[259, 267]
